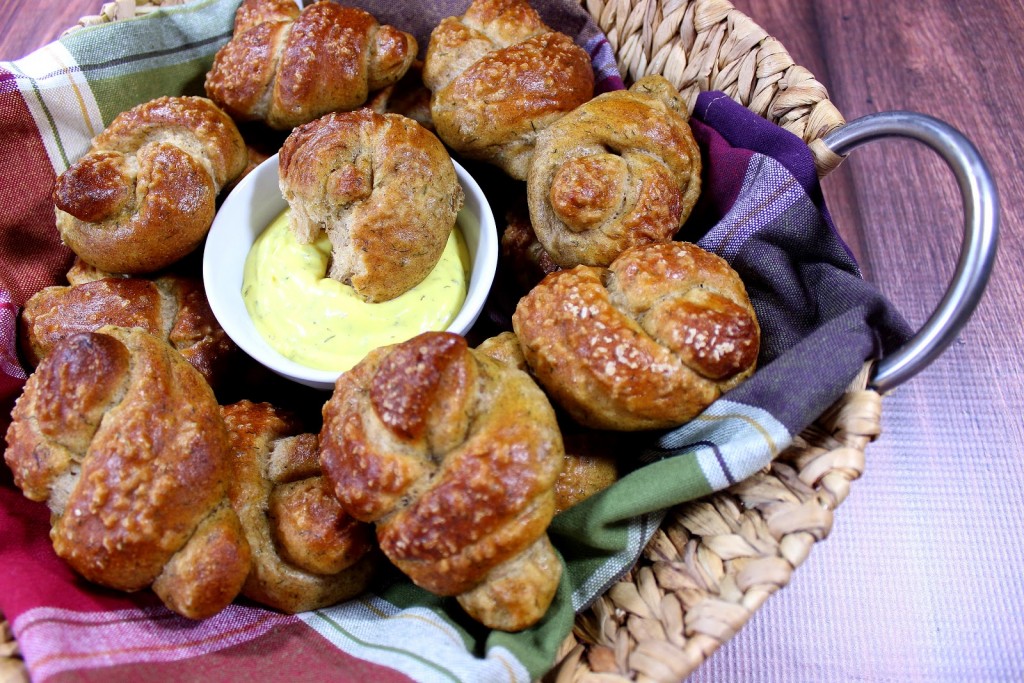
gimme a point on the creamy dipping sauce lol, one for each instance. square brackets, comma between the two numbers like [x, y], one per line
[322, 323]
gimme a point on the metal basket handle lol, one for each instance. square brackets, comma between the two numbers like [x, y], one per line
[981, 232]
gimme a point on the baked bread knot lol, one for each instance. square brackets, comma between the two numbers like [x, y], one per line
[286, 67]
[527, 260]
[504, 348]
[145, 194]
[591, 463]
[306, 552]
[81, 272]
[408, 97]
[646, 343]
[125, 442]
[498, 75]
[172, 307]
[620, 171]
[453, 456]
[384, 190]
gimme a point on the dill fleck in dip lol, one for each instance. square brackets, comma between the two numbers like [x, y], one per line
[322, 323]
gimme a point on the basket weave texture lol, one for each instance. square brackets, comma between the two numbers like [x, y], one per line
[710, 45]
[714, 561]
[121, 9]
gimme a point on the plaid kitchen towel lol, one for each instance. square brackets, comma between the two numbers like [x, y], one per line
[761, 209]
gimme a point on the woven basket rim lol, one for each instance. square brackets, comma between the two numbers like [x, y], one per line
[714, 561]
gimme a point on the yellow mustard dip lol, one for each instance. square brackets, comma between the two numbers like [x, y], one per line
[322, 323]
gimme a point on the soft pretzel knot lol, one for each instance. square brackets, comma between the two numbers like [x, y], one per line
[590, 455]
[619, 171]
[125, 442]
[646, 343]
[384, 190]
[286, 67]
[307, 553]
[454, 456]
[172, 307]
[145, 194]
[499, 75]
[527, 260]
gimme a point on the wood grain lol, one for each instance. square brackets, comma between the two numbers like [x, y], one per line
[921, 578]
[26, 25]
[911, 584]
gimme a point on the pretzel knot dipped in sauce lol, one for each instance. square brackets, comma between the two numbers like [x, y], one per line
[382, 188]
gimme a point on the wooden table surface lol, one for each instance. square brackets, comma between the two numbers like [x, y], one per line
[922, 577]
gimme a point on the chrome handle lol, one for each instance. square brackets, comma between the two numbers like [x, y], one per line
[981, 233]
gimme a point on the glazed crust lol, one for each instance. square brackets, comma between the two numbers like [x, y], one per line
[504, 348]
[285, 67]
[124, 441]
[498, 75]
[171, 307]
[591, 465]
[144, 195]
[647, 343]
[82, 272]
[621, 170]
[382, 187]
[307, 553]
[453, 455]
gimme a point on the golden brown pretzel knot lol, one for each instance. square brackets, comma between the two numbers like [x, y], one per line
[125, 442]
[499, 75]
[382, 187]
[171, 307]
[453, 455]
[145, 194]
[307, 553]
[285, 67]
[591, 463]
[619, 171]
[646, 343]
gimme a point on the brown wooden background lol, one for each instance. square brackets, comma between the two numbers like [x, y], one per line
[922, 577]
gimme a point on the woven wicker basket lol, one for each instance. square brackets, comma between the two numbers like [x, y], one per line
[716, 560]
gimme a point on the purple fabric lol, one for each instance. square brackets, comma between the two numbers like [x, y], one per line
[762, 209]
[745, 130]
